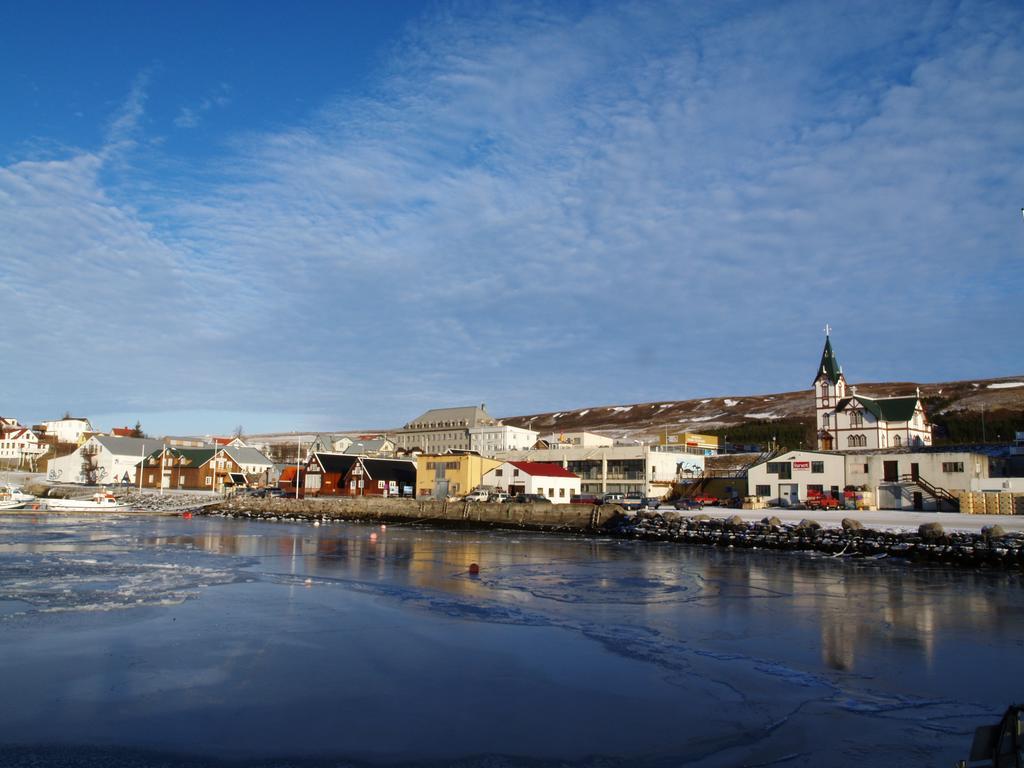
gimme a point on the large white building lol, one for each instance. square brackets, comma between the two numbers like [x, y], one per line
[552, 481]
[67, 430]
[103, 460]
[442, 429]
[489, 439]
[848, 421]
[795, 476]
[618, 469]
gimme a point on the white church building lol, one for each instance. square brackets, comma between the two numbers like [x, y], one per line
[848, 421]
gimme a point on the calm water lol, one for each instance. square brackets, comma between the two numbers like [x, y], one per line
[162, 641]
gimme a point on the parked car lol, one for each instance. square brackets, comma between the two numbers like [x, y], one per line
[687, 503]
[585, 498]
[711, 501]
[477, 496]
[612, 498]
[498, 496]
[529, 498]
[652, 502]
[633, 501]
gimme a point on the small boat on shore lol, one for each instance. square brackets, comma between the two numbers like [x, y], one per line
[16, 493]
[99, 502]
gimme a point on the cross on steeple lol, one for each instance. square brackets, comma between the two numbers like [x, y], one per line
[828, 329]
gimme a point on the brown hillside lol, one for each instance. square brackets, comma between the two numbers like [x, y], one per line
[646, 420]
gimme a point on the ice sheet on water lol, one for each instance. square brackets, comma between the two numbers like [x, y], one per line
[68, 582]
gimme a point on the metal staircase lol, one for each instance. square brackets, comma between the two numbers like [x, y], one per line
[939, 494]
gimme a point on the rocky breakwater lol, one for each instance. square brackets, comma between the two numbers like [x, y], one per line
[992, 548]
[541, 517]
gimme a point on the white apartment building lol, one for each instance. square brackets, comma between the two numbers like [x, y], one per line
[490, 439]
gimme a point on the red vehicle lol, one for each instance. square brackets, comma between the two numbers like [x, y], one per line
[711, 501]
[816, 500]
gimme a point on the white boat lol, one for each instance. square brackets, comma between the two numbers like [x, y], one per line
[9, 501]
[16, 493]
[99, 502]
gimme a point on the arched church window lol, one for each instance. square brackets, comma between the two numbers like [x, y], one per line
[897, 441]
[851, 441]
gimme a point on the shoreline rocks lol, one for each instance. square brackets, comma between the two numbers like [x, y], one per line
[929, 545]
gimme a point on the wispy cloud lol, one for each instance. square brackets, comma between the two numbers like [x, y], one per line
[191, 116]
[526, 205]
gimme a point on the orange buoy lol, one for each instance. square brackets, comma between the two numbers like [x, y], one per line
[187, 515]
[474, 569]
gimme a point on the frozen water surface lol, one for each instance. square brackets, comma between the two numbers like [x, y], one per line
[159, 641]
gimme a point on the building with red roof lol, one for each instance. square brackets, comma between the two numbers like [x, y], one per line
[552, 481]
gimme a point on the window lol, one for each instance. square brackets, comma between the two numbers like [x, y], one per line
[897, 441]
[551, 493]
[865, 469]
[890, 471]
[825, 421]
[824, 394]
[209, 480]
[498, 472]
[764, 490]
[781, 468]
[561, 493]
[817, 467]
[851, 441]
[952, 466]
[515, 473]
[856, 419]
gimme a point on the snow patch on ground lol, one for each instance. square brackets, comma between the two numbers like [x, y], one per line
[1006, 385]
[555, 416]
[730, 403]
[584, 413]
[769, 415]
[666, 405]
[702, 402]
[701, 418]
[621, 408]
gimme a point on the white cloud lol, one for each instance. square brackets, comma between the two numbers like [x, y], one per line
[522, 206]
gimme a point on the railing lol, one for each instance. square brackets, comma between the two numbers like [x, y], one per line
[937, 493]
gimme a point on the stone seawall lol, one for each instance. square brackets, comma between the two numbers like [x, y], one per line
[542, 517]
[930, 544]
[993, 548]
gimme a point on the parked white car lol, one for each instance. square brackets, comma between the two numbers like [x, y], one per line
[477, 496]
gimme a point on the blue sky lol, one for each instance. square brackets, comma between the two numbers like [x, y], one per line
[334, 215]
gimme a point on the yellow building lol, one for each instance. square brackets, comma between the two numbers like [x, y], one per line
[689, 442]
[441, 475]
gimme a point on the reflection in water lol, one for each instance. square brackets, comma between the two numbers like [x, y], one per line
[860, 607]
[756, 647]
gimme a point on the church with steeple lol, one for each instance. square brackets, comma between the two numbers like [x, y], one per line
[848, 421]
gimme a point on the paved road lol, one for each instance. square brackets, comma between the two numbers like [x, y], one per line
[886, 519]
